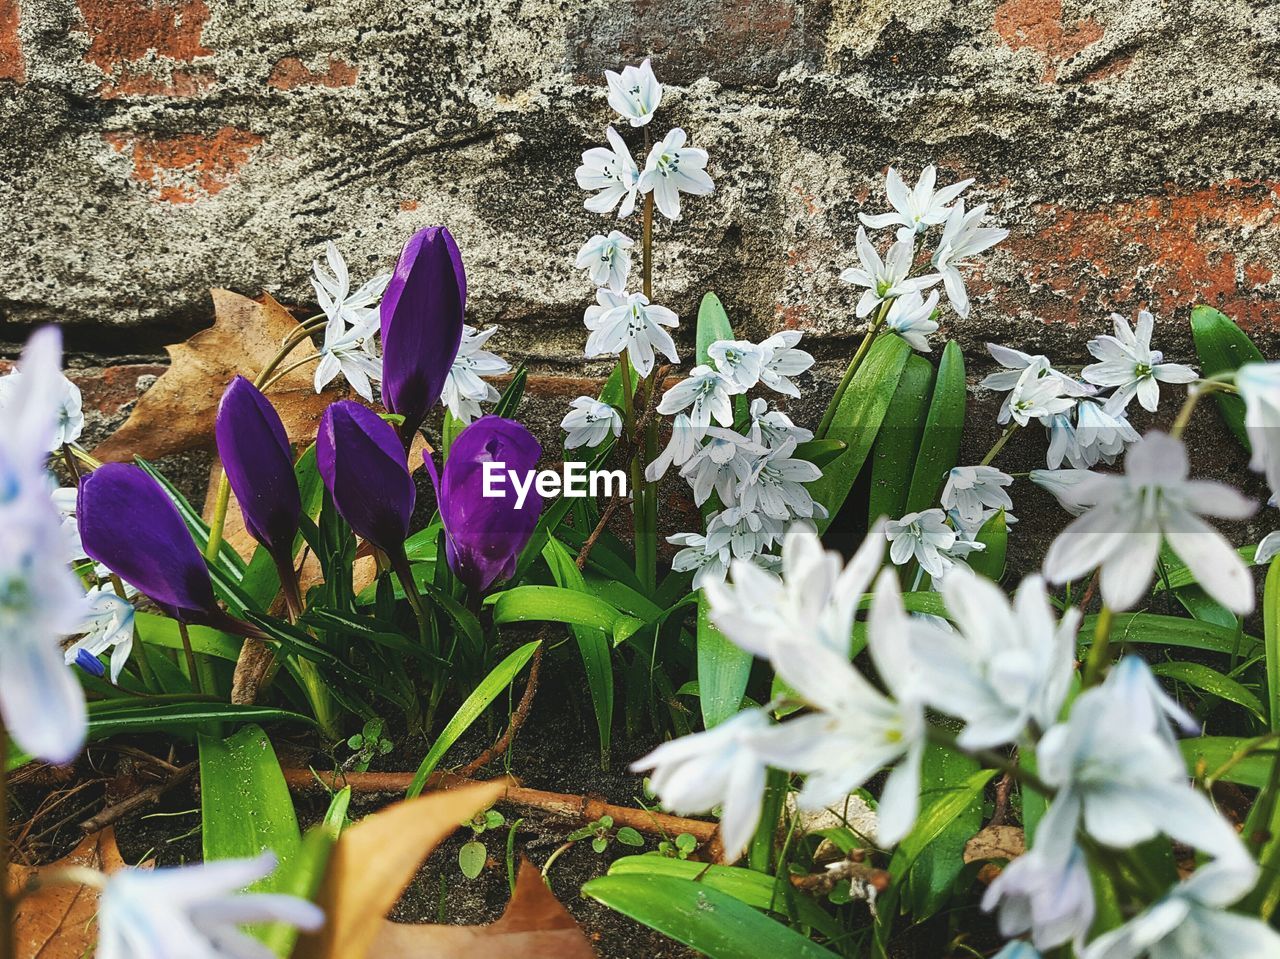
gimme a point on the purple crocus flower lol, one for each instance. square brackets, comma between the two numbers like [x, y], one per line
[484, 535]
[130, 525]
[362, 464]
[421, 315]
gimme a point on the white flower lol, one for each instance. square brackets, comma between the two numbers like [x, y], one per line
[1006, 667]
[1259, 386]
[1071, 488]
[706, 394]
[883, 279]
[911, 317]
[1017, 949]
[1049, 897]
[464, 391]
[610, 171]
[1132, 680]
[334, 289]
[41, 600]
[708, 565]
[747, 533]
[776, 485]
[1268, 548]
[738, 361]
[1015, 362]
[1129, 364]
[719, 767]
[772, 428]
[924, 536]
[917, 209]
[1192, 921]
[1103, 436]
[672, 169]
[607, 259]
[108, 625]
[1154, 499]
[970, 489]
[1036, 395]
[69, 422]
[781, 361]
[1119, 777]
[962, 238]
[635, 93]
[684, 443]
[723, 464]
[1063, 443]
[631, 323]
[193, 912]
[589, 422]
[348, 350]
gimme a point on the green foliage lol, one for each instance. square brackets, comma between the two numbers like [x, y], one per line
[943, 427]
[897, 446]
[1222, 347]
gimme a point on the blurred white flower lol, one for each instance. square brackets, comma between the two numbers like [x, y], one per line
[1131, 514]
[1036, 395]
[781, 361]
[1268, 548]
[630, 323]
[1132, 680]
[194, 912]
[1049, 897]
[1018, 949]
[962, 238]
[464, 390]
[634, 93]
[776, 485]
[923, 536]
[1102, 436]
[911, 317]
[607, 259]
[883, 279]
[738, 361]
[69, 422]
[108, 625]
[1070, 487]
[612, 173]
[971, 489]
[1259, 387]
[1006, 667]
[672, 169]
[719, 767]
[919, 208]
[1129, 364]
[589, 422]
[706, 394]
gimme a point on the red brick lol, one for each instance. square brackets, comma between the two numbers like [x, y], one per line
[291, 73]
[12, 66]
[186, 168]
[1037, 24]
[148, 47]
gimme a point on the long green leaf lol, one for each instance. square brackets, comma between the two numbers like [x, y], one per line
[943, 427]
[1222, 346]
[472, 708]
[723, 670]
[1212, 682]
[1150, 628]
[857, 421]
[709, 921]
[934, 874]
[713, 325]
[994, 535]
[162, 631]
[893, 457]
[554, 604]
[1271, 640]
[1231, 759]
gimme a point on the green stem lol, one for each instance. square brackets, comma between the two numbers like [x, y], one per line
[197, 683]
[647, 527]
[218, 523]
[999, 444]
[1100, 651]
[6, 905]
[286, 370]
[1194, 392]
[863, 348]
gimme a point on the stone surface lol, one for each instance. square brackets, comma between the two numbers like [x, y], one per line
[154, 148]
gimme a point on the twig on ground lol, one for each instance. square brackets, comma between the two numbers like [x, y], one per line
[846, 870]
[139, 800]
[517, 718]
[612, 507]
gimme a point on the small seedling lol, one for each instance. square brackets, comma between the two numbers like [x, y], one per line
[601, 833]
[368, 745]
[681, 847]
[473, 855]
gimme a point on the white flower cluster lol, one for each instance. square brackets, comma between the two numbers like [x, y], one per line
[350, 347]
[1004, 671]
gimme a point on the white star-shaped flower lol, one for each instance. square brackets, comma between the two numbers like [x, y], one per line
[923, 536]
[352, 323]
[883, 279]
[738, 361]
[962, 238]
[671, 169]
[464, 390]
[634, 93]
[781, 360]
[1130, 365]
[108, 626]
[724, 462]
[706, 394]
[607, 259]
[612, 173]
[1036, 396]
[589, 422]
[971, 489]
[916, 209]
[911, 317]
[630, 322]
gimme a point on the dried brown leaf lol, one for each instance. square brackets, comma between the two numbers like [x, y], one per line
[177, 413]
[995, 842]
[534, 926]
[375, 860]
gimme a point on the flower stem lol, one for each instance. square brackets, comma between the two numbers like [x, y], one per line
[6, 905]
[286, 370]
[646, 493]
[196, 682]
[863, 348]
[1100, 651]
[999, 444]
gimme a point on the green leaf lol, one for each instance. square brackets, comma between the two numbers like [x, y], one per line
[554, 604]
[1150, 628]
[1271, 640]
[471, 709]
[163, 632]
[513, 394]
[1233, 759]
[246, 810]
[701, 917]
[629, 837]
[723, 670]
[819, 452]
[593, 644]
[713, 325]
[1222, 347]
[471, 858]
[943, 427]
[893, 458]
[933, 876]
[994, 535]
[1212, 682]
[857, 421]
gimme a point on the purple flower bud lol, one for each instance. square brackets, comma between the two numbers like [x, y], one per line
[421, 316]
[129, 524]
[259, 464]
[485, 534]
[362, 464]
[90, 663]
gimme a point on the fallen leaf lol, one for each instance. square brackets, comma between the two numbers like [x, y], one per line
[58, 921]
[534, 926]
[375, 860]
[177, 413]
[995, 842]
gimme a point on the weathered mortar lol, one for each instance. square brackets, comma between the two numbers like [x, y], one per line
[154, 148]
